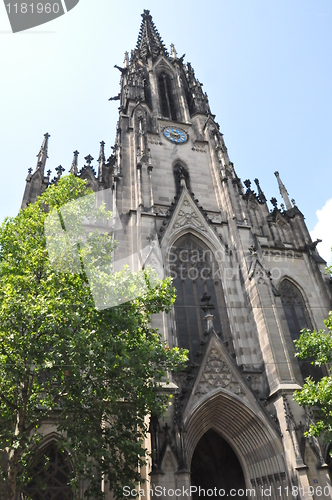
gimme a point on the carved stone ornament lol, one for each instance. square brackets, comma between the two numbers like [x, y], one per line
[216, 373]
[216, 218]
[161, 210]
[155, 140]
[187, 216]
[283, 254]
[198, 149]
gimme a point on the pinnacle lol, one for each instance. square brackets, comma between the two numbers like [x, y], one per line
[149, 41]
[283, 191]
[42, 155]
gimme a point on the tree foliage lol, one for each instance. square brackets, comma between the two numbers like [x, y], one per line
[317, 395]
[97, 373]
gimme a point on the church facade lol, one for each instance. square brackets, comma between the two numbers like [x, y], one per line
[248, 279]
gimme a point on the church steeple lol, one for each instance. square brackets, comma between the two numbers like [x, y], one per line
[149, 40]
[160, 79]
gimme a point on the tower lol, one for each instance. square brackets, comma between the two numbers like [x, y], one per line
[248, 279]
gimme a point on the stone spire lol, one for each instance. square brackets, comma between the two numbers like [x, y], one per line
[101, 160]
[74, 165]
[283, 192]
[149, 41]
[261, 195]
[42, 155]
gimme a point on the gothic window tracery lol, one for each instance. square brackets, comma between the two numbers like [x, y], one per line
[50, 477]
[195, 271]
[166, 97]
[297, 317]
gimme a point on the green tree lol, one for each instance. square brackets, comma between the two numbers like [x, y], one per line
[98, 372]
[318, 346]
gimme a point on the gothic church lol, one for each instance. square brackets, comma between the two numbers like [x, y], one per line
[248, 279]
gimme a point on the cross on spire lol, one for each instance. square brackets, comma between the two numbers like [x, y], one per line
[59, 170]
[89, 160]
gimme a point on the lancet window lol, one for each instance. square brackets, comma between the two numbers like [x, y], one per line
[195, 271]
[166, 97]
[297, 317]
[50, 481]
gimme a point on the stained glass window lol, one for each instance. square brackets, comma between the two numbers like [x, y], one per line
[195, 271]
[297, 317]
[166, 97]
[50, 477]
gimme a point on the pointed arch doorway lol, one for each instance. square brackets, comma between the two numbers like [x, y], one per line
[215, 466]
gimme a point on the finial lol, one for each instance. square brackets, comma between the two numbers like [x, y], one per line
[29, 171]
[283, 192]
[173, 51]
[42, 155]
[247, 183]
[294, 202]
[146, 14]
[59, 170]
[282, 206]
[88, 160]
[208, 307]
[73, 169]
[48, 173]
[274, 202]
[126, 60]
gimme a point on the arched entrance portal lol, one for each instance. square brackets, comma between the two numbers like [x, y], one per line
[216, 467]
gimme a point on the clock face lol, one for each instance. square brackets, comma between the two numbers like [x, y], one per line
[176, 135]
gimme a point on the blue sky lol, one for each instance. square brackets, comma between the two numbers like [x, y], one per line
[266, 66]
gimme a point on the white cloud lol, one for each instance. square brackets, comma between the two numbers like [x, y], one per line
[323, 231]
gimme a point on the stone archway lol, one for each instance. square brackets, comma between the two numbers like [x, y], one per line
[215, 467]
[248, 435]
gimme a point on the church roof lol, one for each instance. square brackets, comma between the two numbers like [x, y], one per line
[149, 40]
